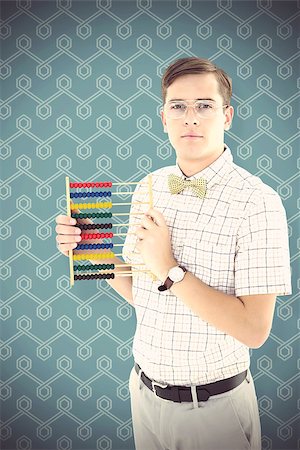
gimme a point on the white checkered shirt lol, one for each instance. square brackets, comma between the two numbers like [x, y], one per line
[234, 240]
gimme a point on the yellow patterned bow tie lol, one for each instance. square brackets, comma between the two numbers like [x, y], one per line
[178, 184]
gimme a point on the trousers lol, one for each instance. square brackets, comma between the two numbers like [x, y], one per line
[228, 421]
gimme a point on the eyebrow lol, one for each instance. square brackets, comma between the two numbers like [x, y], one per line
[183, 100]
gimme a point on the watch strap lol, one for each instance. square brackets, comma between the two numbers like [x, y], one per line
[168, 282]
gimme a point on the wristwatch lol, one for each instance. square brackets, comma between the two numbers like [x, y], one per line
[175, 275]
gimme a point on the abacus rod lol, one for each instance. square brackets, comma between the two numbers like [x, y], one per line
[69, 215]
[116, 275]
[129, 182]
[111, 204]
[129, 274]
[89, 230]
[128, 214]
[124, 183]
[127, 264]
[150, 190]
[115, 271]
[114, 214]
[125, 225]
[134, 203]
[151, 206]
[125, 193]
[113, 225]
[116, 193]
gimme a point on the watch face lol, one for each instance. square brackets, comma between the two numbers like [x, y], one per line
[176, 274]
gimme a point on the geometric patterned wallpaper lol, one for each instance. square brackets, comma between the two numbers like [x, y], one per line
[80, 96]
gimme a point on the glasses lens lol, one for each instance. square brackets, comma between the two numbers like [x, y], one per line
[204, 109]
[175, 110]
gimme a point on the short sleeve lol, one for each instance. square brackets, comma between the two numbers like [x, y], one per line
[262, 259]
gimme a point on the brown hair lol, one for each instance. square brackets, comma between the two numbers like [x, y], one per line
[194, 65]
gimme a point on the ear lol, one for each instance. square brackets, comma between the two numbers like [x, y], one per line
[229, 113]
[163, 119]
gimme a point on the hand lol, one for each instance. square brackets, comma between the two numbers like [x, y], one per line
[68, 235]
[155, 244]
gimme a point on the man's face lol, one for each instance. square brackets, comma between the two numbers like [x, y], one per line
[197, 141]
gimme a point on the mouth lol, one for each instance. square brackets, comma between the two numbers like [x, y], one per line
[192, 136]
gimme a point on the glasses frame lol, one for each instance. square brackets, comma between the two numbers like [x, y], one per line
[192, 103]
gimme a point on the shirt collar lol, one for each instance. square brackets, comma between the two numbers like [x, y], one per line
[215, 171]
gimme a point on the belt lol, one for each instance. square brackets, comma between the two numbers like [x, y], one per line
[184, 394]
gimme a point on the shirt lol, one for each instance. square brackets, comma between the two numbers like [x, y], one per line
[234, 240]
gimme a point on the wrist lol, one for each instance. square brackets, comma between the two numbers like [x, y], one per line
[163, 273]
[175, 275]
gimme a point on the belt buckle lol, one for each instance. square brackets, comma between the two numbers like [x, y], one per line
[155, 383]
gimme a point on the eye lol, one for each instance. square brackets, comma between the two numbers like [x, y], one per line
[180, 106]
[204, 105]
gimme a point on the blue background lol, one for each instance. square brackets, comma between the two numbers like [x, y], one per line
[81, 97]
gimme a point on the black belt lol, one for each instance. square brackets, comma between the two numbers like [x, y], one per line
[184, 394]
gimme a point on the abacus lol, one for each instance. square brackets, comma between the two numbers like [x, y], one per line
[80, 197]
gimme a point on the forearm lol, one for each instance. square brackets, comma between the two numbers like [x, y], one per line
[121, 284]
[223, 311]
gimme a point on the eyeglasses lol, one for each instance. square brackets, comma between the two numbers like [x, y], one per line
[203, 109]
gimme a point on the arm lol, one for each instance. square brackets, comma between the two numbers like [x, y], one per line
[247, 318]
[122, 284]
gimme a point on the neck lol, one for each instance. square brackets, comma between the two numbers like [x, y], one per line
[191, 167]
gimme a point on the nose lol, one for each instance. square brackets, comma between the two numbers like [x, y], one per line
[191, 117]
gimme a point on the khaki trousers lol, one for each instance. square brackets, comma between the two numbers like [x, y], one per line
[228, 421]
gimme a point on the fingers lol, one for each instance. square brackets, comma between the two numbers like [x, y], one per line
[67, 242]
[67, 239]
[156, 216]
[67, 230]
[65, 220]
[68, 235]
[140, 232]
[147, 222]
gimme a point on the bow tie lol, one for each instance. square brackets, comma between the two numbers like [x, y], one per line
[178, 184]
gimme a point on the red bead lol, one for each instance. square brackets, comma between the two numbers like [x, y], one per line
[101, 184]
[110, 184]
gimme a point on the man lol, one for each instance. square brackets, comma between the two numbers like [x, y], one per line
[216, 240]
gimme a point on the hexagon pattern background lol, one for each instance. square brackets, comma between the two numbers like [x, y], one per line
[80, 96]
